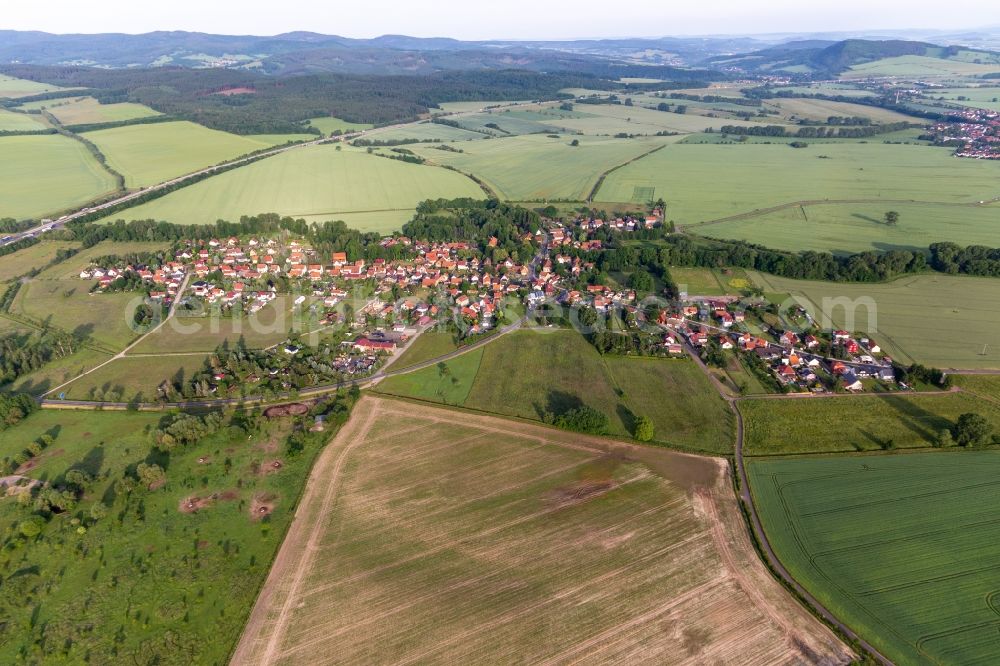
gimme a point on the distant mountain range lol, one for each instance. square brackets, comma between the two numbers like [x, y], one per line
[297, 53]
[822, 58]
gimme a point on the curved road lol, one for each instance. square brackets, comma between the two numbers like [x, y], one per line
[758, 530]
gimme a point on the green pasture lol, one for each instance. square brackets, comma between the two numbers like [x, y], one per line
[150, 154]
[847, 228]
[708, 182]
[855, 423]
[428, 345]
[42, 175]
[939, 320]
[317, 183]
[901, 548]
[539, 167]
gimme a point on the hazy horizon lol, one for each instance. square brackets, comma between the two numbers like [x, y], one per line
[521, 20]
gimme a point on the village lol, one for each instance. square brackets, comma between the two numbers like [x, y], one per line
[975, 132]
[819, 362]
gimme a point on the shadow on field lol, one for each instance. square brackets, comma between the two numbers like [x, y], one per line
[921, 422]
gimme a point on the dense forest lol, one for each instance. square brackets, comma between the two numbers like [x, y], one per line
[271, 105]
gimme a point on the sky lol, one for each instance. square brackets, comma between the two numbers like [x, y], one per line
[510, 19]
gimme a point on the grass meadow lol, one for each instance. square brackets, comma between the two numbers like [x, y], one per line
[536, 167]
[860, 227]
[42, 175]
[901, 548]
[151, 581]
[69, 305]
[940, 320]
[36, 256]
[855, 423]
[448, 535]
[133, 378]
[821, 110]
[708, 182]
[86, 110]
[150, 154]
[529, 374]
[317, 183]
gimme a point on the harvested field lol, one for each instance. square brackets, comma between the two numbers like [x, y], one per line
[427, 536]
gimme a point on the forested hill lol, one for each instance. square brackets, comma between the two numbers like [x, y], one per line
[828, 59]
[275, 106]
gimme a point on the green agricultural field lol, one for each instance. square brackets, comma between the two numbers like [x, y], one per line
[711, 282]
[860, 227]
[317, 183]
[614, 118]
[151, 576]
[468, 107]
[42, 175]
[821, 110]
[86, 110]
[134, 378]
[508, 123]
[708, 182]
[939, 320]
[530, 374]
[20, 122]
[855, 423]
[539, 167]
[36, 256]
[328, 125]
[902, 548]
[844, 90]
[980, 98]
[150, 154]
[426, 132]
[918, 66]
[13, 88]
